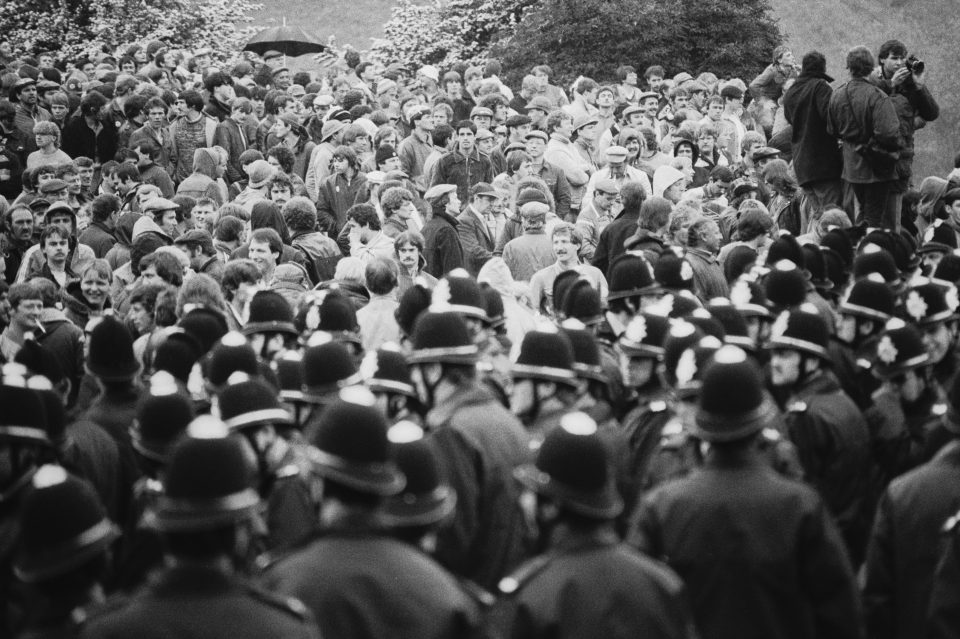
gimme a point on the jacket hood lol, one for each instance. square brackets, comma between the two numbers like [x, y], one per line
[496, 273]
[663, 178]
[205, 161]
[124, 229]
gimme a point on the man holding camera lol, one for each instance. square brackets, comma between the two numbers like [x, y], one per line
[901, 77]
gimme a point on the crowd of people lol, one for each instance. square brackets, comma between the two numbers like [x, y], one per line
[377, 352]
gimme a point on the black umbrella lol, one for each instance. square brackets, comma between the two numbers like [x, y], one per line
[290, 41]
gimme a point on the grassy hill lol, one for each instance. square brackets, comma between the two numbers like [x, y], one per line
[832, 26]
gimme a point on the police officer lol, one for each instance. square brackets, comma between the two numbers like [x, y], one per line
[861, 317]
[386, 373]
[23, 441]
[905, 543]
[64, 540]
[618, 590]
[944, 609]
[205, 520]
[357, 580]
[251, 410]
[757, 552]
[268, 324]
[544, 384]
[827, 428]
[163, 414]
[933, 307]
[909, 409]
[480, 443]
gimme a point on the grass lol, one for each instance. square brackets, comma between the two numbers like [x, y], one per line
[831, 26]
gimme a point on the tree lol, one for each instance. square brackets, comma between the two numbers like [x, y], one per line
[594, 37]
[445, 33]
[74, 27]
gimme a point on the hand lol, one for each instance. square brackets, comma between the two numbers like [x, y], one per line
[900, 76]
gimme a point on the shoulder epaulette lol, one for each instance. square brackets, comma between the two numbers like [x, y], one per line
[512, 583]
[480, 595]
[81, 616]
[285, 472]
[951, 524]
[797, 407]
[289, 605]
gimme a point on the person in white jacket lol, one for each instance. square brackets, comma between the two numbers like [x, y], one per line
[562, 154]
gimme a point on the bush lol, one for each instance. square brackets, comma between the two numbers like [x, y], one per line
[594, 37]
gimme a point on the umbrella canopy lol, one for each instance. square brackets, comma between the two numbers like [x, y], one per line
[290, 41]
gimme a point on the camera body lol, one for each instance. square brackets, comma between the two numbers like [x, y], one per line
[915, 64]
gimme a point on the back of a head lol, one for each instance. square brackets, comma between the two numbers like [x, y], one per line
[860, 62]
[655, 213]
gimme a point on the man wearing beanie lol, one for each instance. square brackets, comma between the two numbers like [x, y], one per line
[733, 527]
[817, 161]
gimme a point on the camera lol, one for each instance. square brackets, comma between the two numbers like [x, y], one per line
[915, 64]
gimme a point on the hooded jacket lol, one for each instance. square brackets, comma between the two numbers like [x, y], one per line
[806, 105]
[75, 305]
[203, 181]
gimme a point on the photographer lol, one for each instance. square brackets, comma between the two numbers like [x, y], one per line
[901, 77]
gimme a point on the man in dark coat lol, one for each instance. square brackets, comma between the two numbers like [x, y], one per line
[859, 114]
[619, 592]
[480, 443]
[464, 166]
[104, 213]
[904, 547]
[817, 161]
[476, 227]
[358, 581]
[612, 238]
[442, 249]
[897, 77]
[758, 552]
[827, 428]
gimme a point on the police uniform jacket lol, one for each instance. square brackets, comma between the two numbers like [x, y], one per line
[591, 585]
[944, 610]
[903, 551]
[361, 585]
[200, 603]
[479, 444]
[833, 444]
[758, 553]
